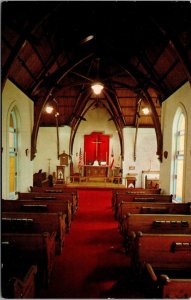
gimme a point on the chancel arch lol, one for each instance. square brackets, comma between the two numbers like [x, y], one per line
[97, 122]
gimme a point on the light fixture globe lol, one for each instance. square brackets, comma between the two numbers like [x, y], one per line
[97, 87]
[49, 109]
[145, 110]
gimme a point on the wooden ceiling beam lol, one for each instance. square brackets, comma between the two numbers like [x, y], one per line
[156, 122]
[143, 90]
[54, 54]
[162, 88]
[39, 106]
[37, 53]
[22, 62]
[114, 104]
[170, 69]
[14, 53]
[42, 76]
[160, 52]
[22, 38]
[75, 122]
[182, 55]
[117, 116]
[170, 36]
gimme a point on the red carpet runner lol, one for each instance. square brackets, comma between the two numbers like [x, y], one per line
[93, 264]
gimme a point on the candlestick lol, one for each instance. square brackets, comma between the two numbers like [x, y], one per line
[85, 158]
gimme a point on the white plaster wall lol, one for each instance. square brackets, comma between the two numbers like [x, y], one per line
[13, 97]
[97, 121]
[47, 148]
[169, 108]
[146, 158]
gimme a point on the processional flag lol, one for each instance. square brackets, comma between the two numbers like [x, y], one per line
[112, 163]
[112, 159]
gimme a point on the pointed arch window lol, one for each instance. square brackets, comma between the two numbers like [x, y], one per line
[12, 154]
[179, 143]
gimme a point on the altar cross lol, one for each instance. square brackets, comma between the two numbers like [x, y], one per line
[96, 142]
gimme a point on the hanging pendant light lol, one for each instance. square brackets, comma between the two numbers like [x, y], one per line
[145, 110]
[97, 88]
[51, 106]
[49, 109]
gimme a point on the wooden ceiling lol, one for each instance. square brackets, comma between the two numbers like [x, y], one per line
[53, 51]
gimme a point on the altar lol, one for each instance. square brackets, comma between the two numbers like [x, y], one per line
[95, 171]
[96, 156]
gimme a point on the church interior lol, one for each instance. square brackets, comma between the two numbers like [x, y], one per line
[96, 149]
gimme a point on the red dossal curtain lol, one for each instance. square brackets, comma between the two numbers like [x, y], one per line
[96, 147]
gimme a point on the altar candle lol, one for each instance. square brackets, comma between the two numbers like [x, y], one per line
[85, 158]
[106, 158]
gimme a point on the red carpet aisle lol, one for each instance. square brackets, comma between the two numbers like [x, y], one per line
[92, 264]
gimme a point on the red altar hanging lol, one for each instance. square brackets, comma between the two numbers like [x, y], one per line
[96, 147]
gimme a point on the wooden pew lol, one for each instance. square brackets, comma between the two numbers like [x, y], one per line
[50, 196]
[18, 282]
[137, 191]
[151, 183]
[17, 279]
[161, 250]
[167, 284]
[33, 249]
[140, 198]
[49, 206]
[63, 190]
[26, 222]
[114, 192]
[151, 208]
[57, 188]
[154, 223]
[40, 179]
[154, 191]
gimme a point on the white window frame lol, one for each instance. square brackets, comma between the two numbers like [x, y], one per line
[14, 151]
[178, 155]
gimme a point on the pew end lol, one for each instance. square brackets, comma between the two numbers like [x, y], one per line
[154, 224]
[167, 284]
[19, 281]
[30, 222]
[32, 249]
[162, 251]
